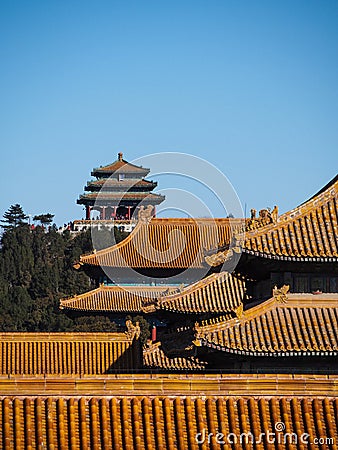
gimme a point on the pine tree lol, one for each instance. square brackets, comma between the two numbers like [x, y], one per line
[44, 219]
[14, 217]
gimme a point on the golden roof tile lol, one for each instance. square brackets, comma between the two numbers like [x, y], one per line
[309, 231]
[301, 325]
[167, 243]
[174, 421]
[68, 353]
[217, 293]
[155, 358]
[116, 299]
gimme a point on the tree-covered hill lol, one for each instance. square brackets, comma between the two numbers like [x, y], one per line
[36, 270]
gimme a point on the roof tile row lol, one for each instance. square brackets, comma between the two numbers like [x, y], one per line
[300, 326]
[216, 293]
[174, 422]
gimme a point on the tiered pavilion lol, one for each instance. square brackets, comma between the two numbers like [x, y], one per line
[119, 188]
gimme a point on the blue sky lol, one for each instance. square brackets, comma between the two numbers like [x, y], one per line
[250, 86]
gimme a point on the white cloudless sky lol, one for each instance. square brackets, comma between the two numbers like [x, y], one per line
[251, 87]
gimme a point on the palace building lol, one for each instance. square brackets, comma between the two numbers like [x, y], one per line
[244, 348]
[227, 289]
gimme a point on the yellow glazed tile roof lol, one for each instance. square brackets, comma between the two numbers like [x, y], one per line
[68, 353]
[155, 358]
[304, 325]
[308, 232]
[166, 422]
[116, 298]
[219, 292]
[167, 243]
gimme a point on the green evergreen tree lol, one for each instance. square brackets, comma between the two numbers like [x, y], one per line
[44, 219]
[14, 217]
[36, 270]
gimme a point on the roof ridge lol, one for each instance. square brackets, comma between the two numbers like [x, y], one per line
[323, 189]
[289, 215]
[200, 228]
[193, 286]
[319, 195]
[121, 160]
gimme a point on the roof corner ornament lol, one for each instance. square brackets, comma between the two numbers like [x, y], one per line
[181, 287]
[145, 214]
[216, 259]
[133, 331]
[280, 294]
[222, 255]
[265, 217]
[239, 311]
[198, 335]
[120, 156]
[197, 342]
[77, 265]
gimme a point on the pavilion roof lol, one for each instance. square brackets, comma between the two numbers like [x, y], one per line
[167, 243]
[308, 232]
[125, 184]
[117, 299]
[302, 324]
[122, 166]
[117, 197]
[219, 292]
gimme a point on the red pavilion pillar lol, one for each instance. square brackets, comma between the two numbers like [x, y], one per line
[153, 334]
[103, 213]
[128, 214]
[88, 209]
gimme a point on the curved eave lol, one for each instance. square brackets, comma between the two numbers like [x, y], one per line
[116, 299]
[121, 167]
[217, 293]
[146, 243]
[106, 184]
[279, 353]
[306, 233]
[115, 199]
[120, 188]
[264, 330]
[321, 259]
[155, 358]
[109, 172]
[92, 258]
